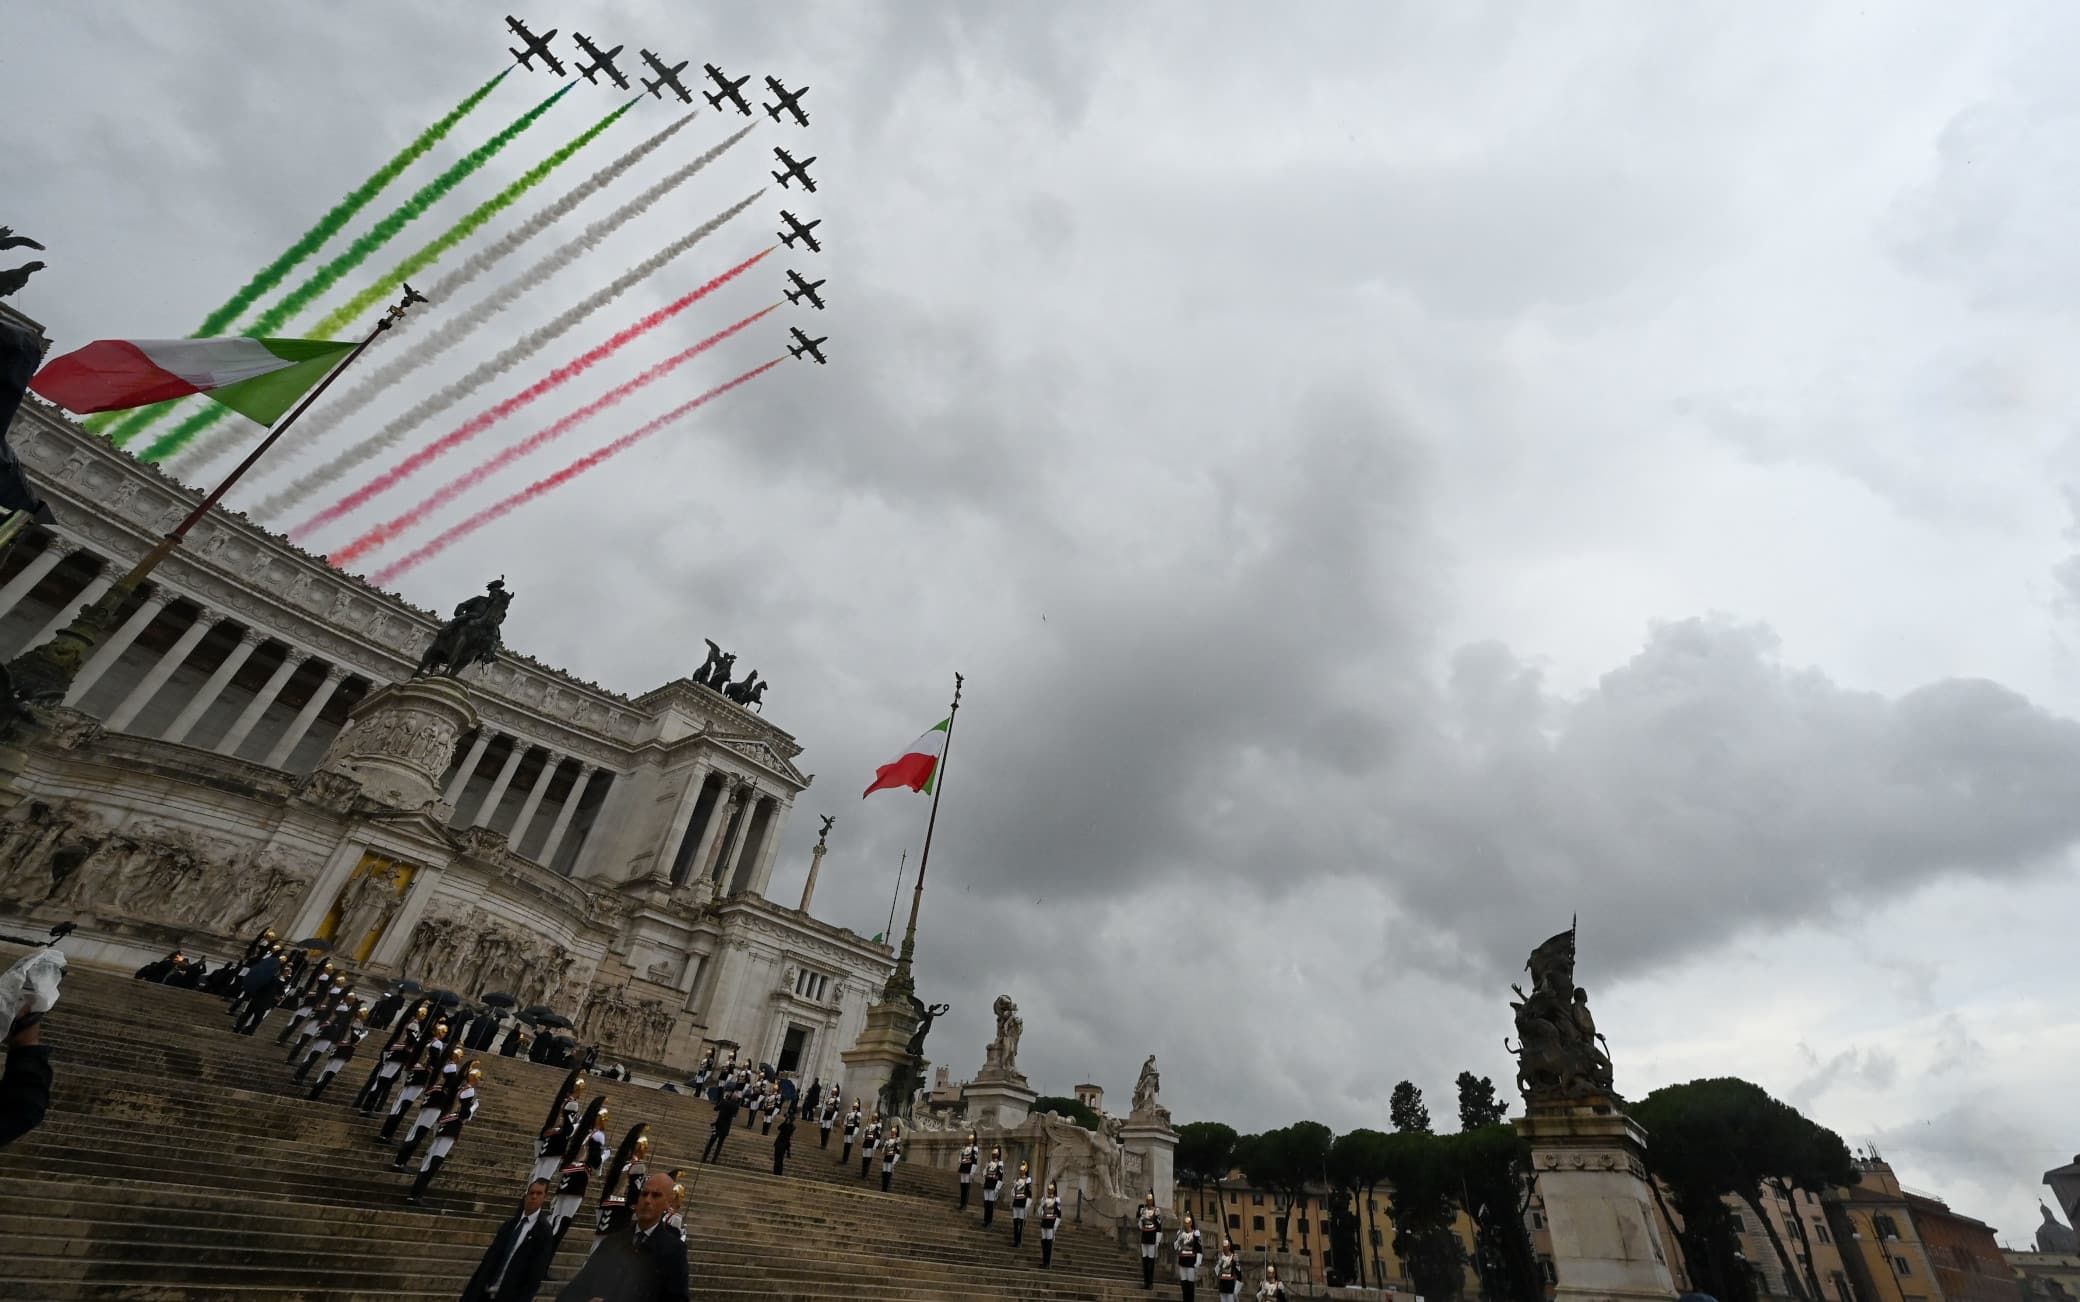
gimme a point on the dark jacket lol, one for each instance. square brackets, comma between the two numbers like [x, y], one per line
[524, 1276]
[25, 1091]
[619, 1271]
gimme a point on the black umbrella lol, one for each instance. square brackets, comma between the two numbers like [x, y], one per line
[317, 943]
[445, 998]
[533, 1011]
[498, 999]
[557, 1020]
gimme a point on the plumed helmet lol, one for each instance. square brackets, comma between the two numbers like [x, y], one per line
[476, 1074]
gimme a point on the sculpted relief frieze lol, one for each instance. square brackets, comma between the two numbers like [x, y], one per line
[473, 953]
[637, 1028]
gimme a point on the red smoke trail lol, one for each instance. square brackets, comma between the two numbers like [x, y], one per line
[483, 420]
[540, 486]
[462, 483]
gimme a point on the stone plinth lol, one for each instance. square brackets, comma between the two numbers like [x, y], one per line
[883, 1049]
[1151, 1136]
[1589, 1160]
[400, 739]
[998, 1101]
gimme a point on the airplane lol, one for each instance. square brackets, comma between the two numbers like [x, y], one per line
[733, 91]
[790, 101]
[412, 296]
[602, 61]
[797, 231]
[807, 345]
[536, 45]
[805, 289]
[666, 77]
[796, 171]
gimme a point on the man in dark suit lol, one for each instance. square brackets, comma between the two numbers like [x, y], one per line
[643, 1262]
[519, 1254]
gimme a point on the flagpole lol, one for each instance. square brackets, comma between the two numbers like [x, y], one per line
[44, 672]
[900, 981]
[896, 894]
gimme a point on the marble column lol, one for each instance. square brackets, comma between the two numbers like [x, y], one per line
[56, 550]
[762, 875]
[733, 840]
[547, 857]
[318, 901]
[397, 937]
[269, 692]
[666, 862]
[154, 679]
[815, 866]
[106, 655]
[68, 610]
[492, 798]
[727, 797]
[219, 679]
[551, 761]
[469, 766]
[308, 715]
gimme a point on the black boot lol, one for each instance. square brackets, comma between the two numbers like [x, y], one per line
[390, 1125]
[887, 1178]
[826, 1140]
[964, 1195]
[1018, 1231]
[303, 1069]
[1046, 1253]
[1191, 1290]
[288, 1031]
[323, 1081]
[845, 1156]
[404, 1154]
[989, 1212]
[865, 1163]
[433, 1164]
[1148, 1272]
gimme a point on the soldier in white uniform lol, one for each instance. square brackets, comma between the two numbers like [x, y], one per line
[1271, 1290]
[342, 1051]
[1227, 1270]
[399, 1052]
[557, 1128]
[1189, 1248]
[1021, 1197]
[868, 1143]
[461, 1105]
[992, 1178]
[852, 1125]
[423, 1070]
[829, 1117]
[1050, 1217]
[329, 1031]
[971, 1157]
[891, 1153]
[1148, 1219]
[584, 1158]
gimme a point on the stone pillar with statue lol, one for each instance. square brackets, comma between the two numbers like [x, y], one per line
[999, 1096]
[1147, 1133]
[1588, 1158]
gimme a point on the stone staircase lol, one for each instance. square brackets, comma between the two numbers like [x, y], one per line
[180, 1161]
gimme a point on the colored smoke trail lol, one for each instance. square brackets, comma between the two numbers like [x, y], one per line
[336, 409]
[448, 538]
[309, 242]
[498, 411]
[357, 253]
[528, 345]
[462, 483]
[379, 289]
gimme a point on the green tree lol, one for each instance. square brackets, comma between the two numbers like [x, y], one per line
[1424, 1206]
[1478, 1105]
[1070, 1108]
[1358, 1163]
[1283, 1163]
[1494, 1167]
[1344, 1266]
[1405, 1109]
[1205, 1154]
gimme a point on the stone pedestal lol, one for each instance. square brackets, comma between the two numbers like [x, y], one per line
[882, 1049]
[998, 1101]
[1152, 1138]
[1588, 1159]
[400, 739]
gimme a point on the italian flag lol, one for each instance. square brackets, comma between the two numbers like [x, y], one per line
[258, 378]
[917, 767]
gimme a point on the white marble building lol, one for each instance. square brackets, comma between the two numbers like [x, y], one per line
[607, 854]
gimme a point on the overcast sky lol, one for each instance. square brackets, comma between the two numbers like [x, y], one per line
[1393, 476]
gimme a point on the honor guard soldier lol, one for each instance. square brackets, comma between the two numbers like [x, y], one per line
[1050, 1217]
[774, 1101]
[580, 1161]
[561, 1123]
[1271, 1290]
[625, 1176]
[1021, 1198]
[309, 994]
[868, 1143]
[1189, 1248]
[992, 1177]
[342, 1050]
[397, 1054]
[703, 1073]
[434, 1101]
[461, 1106]
[891, 1153]
[1227, 1270]
[828, 1118]
[421, 1073]
[783, 1144]
[971, 1157]
[1149, 1220]
[676, 1217]
[344, 1010]
[852, 1125]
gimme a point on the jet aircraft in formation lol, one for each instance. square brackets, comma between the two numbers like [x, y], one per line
[797, 170]
[537, 46]
[805, 345]
[805, 289]
[790, 101]
[666, 76]
[602, 61]
[725, 89]
[797, 230]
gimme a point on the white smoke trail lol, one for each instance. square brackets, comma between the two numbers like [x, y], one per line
[527, 346]
[334, 410]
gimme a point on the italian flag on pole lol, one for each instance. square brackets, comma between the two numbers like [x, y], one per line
[258, 378]
[917, 767]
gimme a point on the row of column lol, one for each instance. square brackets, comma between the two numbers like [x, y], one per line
[722, 847]
[487, 809]
[155, 601]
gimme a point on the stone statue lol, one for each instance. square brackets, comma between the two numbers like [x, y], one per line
[823, 833]
[755, 698]
[471, 637]
[364, 905]
[715, 670]
[926, 1015]
[10, 240]
[1145, 1088]
[747, 692]
[1001, 1058]
[12, 281]
[1560, 1056]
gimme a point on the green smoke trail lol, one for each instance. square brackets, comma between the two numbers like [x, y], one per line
[307, 244]
[356, 253]
[460, 231]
